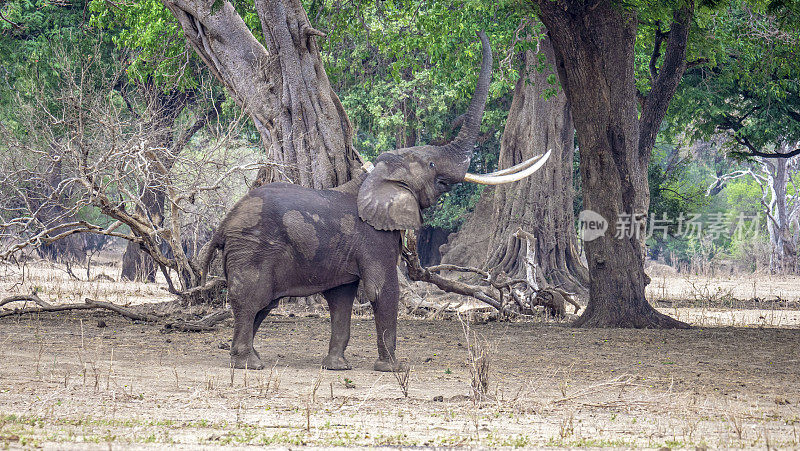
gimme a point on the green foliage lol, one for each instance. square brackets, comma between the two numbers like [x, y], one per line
[452, 208]
[148, 29]
[406, 69]
[751, 87]
[743, 196]
[27, 60]
[677, 189]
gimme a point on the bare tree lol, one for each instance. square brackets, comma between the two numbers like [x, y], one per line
[781, 209]
[111, 166]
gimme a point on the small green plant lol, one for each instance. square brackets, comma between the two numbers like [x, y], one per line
[448, 371]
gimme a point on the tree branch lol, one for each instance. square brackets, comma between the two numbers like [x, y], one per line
[757, 153]
[204, 324]
[25, 298]
[417, 272]
[697, 62]
[15, 25]
[658, 40]
[666, 80]
[210, 115]
[719, 183]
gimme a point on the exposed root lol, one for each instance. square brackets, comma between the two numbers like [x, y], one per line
[650, 318]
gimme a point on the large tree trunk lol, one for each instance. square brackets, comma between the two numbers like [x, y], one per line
[429, 240]
[281, 85]
[541, 205]
[594, 50]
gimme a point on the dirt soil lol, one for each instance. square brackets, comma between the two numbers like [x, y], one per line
[67, 383]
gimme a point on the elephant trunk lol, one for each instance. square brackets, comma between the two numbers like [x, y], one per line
[464, 142]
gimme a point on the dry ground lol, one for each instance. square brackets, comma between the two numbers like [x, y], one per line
[67, 383]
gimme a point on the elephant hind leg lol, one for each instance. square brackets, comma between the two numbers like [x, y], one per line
[247, 294]
[263, 314]
[340, 303]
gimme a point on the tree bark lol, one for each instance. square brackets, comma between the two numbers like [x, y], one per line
[783, 255]
[594, 49]
[541, 205]
[281, 84]
[429, 241]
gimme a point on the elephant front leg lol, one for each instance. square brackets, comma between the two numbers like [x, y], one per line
[385, 298]
[340, 304]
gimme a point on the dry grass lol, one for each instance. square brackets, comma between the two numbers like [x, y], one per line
[66, 383]
[685, 287]
[127, 398]
[52, 282]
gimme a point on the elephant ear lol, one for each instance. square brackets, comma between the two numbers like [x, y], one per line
[385, 201]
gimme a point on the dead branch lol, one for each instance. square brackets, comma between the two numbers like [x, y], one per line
[446, 267]
[498, 285]
[128, 313]
[214, 318]
[204, 324]
[417, 272]
[25, 297]
[211, 286]
[49, 308]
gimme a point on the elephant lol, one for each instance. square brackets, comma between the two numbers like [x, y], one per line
[286, 240]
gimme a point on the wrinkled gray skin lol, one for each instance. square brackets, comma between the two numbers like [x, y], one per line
[285, 240]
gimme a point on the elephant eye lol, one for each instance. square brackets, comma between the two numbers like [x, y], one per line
[432, 164]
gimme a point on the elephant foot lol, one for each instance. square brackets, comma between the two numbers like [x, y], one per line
[336, 362]
[249, 361]
[397, 366]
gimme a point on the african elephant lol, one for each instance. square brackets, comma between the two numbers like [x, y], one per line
[286, 240]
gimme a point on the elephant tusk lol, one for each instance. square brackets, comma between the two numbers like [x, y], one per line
[516, 168]
[507, 178]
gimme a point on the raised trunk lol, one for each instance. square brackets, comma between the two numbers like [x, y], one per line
[594, 50]
[465, 140]
[281, 85]
[541, 204]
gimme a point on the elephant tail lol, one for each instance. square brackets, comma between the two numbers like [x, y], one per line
[217, 242]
